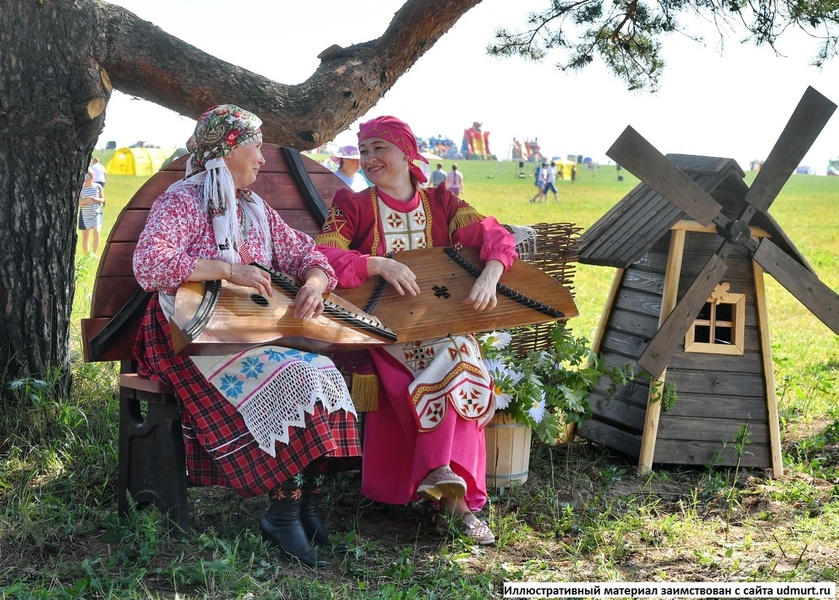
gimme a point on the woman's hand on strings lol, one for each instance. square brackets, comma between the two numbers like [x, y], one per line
[250, 276]
[245, 275]
[308, 303]
[482, 295]
[395, 273]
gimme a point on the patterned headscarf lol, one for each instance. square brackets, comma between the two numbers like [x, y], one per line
[399, 134]
[218, 131]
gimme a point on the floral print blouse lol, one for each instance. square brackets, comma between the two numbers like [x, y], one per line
[179, 231]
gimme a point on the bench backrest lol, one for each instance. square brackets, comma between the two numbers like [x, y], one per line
[299, 188]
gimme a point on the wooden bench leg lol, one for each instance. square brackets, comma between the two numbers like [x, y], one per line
[152, 462]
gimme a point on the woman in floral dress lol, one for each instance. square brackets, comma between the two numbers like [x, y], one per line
[269, 420]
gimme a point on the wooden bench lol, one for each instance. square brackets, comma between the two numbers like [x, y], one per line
[152, 463]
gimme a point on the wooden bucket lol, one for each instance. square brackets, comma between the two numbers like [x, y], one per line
[508, 451]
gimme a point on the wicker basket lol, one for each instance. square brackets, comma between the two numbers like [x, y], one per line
[555, 251]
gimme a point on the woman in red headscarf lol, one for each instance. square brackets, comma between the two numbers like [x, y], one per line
[409, 450]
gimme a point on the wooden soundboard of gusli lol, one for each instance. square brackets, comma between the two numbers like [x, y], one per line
[526, 296]
[219, 317]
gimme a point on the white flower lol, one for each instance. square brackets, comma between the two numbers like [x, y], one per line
[495, 366]
[537, 409]
[502, 339]
[497, 340]
[515, 376]
[502, 398]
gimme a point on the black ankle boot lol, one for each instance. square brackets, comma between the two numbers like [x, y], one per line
[281, 528]
[316, 533]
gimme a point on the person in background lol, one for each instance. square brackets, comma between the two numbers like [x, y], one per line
[438, 176]
[349, 168]
[426, 439]
[99, 174]
[91, 216]
[454, 181]
[541, 177]
[550, 182]
[268, 420]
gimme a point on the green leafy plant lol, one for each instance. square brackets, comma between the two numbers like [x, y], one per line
[550, 388]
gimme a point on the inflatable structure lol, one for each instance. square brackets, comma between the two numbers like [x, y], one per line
[476, 142]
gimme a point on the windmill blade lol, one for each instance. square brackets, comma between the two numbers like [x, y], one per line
[800, 282]
[807, 121]
[640, 158]
[658, 352]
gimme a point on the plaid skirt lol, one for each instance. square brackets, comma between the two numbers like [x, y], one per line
[210, 422]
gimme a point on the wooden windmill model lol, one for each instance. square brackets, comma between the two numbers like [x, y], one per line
[704, 330]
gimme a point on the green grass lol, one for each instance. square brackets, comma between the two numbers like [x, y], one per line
[584, 514]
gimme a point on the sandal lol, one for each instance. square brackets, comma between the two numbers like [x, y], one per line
[442, 483]
[478, 531]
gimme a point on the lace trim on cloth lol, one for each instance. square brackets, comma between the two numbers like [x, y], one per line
[273, 387]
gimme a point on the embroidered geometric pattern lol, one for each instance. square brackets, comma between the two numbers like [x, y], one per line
[433, 413]
[447, 371]
[331, 232]
[419, 354]
[403, 230]
[465, 389]
[269, 403]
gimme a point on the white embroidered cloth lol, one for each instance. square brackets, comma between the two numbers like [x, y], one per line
[273, 387]
[447, 371]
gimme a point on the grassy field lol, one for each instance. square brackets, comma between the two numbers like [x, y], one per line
[584, 514]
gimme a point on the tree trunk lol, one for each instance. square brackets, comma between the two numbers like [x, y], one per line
[52, 101]
[56, 67]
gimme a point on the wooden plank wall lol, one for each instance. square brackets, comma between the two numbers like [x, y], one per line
[717, 394]
[631, 321]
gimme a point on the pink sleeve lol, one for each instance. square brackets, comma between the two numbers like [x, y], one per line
[350, 265]
[336, 237]
[495, 242]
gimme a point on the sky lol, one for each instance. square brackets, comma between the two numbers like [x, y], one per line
[730, 101]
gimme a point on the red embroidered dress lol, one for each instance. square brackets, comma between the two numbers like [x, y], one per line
[220, 449]
[413, 431]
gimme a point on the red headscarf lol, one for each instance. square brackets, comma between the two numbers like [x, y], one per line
[399, 134]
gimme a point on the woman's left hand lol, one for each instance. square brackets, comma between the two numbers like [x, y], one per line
[482, 295]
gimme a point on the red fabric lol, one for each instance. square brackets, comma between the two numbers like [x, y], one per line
[352, 218]
[396, 455]
[219, 448]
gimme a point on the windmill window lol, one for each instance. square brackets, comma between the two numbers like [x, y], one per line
[720, 326]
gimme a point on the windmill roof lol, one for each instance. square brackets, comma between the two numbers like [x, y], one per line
[627, 231]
